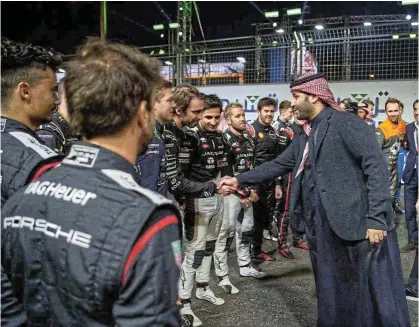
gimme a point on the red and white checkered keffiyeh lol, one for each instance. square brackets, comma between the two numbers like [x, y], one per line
[320, 88]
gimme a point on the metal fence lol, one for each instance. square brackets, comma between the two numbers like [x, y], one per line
[378, 52]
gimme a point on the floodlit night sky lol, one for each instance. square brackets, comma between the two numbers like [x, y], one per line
[64, 25]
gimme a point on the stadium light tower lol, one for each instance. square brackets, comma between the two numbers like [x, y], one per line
[184, 36]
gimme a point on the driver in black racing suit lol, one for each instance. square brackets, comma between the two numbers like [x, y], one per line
[203, 158]
[266, 141]
[281, 213]
[58, 134]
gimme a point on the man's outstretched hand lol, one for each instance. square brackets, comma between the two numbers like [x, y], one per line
[227, 185]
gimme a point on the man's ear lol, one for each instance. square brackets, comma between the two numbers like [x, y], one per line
[24, 91]
[313, 99]
[143, 114]
[178, 112]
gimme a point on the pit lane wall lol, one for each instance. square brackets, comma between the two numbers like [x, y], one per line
[377, 91]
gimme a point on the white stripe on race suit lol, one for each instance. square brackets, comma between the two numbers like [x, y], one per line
[31, 142]
[127, 181]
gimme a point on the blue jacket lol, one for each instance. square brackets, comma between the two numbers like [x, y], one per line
[412, 156]
[151, 166]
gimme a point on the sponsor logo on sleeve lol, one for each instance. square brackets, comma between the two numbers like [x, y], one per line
[177, 253]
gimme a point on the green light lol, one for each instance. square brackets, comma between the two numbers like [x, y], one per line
[151, 53]
[187, 50]
[274, 42]
[174, 25]
[294, 12]
[158, 27]
[395, 37]
[161, 51]
[272, 14]
[408, 3]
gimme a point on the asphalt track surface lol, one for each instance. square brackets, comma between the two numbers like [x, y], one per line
[286, 297]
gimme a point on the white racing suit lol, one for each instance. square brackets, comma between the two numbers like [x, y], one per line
[203, 219]
[203, 156]
[237, 221]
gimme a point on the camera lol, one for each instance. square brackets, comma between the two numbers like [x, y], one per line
[350, 106]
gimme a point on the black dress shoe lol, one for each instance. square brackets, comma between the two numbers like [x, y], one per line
[409, 247]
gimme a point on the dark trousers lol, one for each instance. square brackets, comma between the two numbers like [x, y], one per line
[412, 283]
[263, 214]
[410, 198]
[358, 285]
[282, 214]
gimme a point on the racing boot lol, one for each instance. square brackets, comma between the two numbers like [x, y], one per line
[301, 245]
[284, 250]
[187, 317]
[203, 292]
[251, 271]
[225, 284]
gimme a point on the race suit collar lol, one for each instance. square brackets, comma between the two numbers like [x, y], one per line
[261, 125]
[9, 124]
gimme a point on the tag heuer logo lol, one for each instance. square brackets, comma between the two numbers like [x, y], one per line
[253, 98]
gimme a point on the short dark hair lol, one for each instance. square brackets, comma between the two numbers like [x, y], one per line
[105, 84]
[227, 110]
[183, 94]
[266, 102]
[369, 102]
[416, 101]
[163, 85]
[393, 100]
[22, 62]
[284, 105]
[212, 101]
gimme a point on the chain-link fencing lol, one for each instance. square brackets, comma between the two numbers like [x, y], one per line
[378, 52]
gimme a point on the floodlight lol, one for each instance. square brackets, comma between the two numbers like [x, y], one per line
[367, 24]
[174, 25]
[410, 2]
[318, 27]
[158, 27]
[293, 12]
[272, 14]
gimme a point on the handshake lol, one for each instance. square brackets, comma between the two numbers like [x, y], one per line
[230, 185]
[227, 185]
